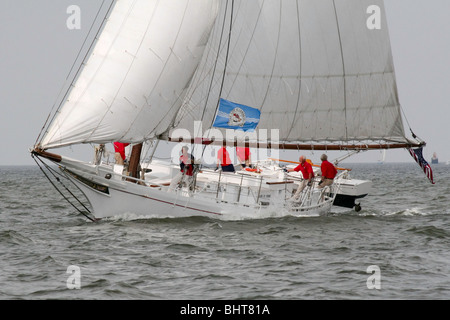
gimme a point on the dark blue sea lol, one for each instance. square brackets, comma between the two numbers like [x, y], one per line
[395, 248]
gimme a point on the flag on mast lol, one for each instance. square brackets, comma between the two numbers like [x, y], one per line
[236, 116]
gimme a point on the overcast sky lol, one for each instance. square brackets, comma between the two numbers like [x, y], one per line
[38, 51]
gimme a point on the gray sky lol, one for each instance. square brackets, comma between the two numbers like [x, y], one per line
[38, 51]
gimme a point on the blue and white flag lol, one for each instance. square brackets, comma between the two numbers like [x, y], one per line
[236, 116]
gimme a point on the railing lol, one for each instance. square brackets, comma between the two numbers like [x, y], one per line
[246, 189]
[230, 187]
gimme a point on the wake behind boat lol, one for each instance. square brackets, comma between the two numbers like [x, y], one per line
[276, 75]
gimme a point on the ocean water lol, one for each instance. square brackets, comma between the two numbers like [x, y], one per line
[395, 248]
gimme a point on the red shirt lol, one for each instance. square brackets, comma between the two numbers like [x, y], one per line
[243, 153]
[186, 163]
[328, 170]
[120, 147]
[224, 157]
[306, 169]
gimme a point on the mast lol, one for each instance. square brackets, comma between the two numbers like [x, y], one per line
[134, 165]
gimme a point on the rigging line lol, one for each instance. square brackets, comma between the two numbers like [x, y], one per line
[148, 145]
[343, 68]
[79, 68]
[215, 66]
[274, 58]
[248, 47]
[216, 62]
[198, 79]
[54, 173]
[154, 145]
[409, 126]
[85, 40]
[294, 120]
[189, 111]
[59, 191]
[226, 59]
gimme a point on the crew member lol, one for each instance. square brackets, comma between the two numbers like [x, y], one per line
[329, 172]
[244, 156]
[186, 170]
[223, 159]
[308, 174]
[119, 148]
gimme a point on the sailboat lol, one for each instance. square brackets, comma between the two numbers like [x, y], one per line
[269, 75]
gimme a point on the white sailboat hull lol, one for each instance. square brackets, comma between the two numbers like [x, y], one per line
[112, 196]
[151, 204]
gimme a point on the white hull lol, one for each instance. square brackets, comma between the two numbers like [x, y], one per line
[112, 196]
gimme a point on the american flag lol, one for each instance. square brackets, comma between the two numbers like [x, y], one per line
[417, 155]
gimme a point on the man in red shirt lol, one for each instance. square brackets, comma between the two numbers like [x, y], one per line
[119, 148]
[223, 159]
[308, 174]
[244, 156]
[329, 171]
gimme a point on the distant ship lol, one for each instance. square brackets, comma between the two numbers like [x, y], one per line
[434, 159]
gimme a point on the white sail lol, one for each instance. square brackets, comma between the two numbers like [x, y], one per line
[134, 81]
[314, 69]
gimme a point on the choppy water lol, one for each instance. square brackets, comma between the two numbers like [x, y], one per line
[403, 229]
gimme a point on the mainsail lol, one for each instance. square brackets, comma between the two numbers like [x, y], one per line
[313, 68]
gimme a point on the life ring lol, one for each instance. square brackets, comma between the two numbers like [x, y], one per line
[253, 170]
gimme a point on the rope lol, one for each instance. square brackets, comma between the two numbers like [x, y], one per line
[215, 66]
[60, 192]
